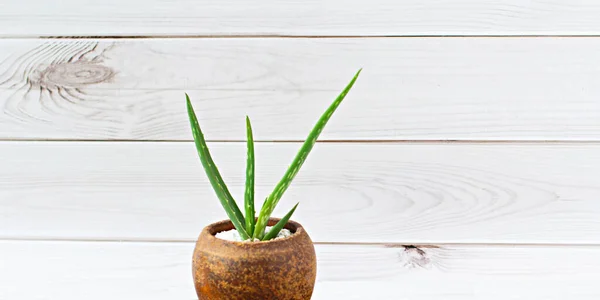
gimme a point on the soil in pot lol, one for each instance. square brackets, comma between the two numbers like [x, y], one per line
[233, 235]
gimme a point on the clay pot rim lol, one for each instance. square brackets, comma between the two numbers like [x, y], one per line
[212, 229]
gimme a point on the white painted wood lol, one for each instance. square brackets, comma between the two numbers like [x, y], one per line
[313, 17]
[410, 88]
[354, 192]
[87, 270]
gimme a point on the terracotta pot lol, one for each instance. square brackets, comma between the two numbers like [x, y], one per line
[284, 268]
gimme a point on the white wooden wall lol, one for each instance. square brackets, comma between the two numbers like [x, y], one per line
[464, 164]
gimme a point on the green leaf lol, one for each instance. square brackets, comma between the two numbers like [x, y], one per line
[284, 183]
[231, 208]
[277, 228]
[249, 194]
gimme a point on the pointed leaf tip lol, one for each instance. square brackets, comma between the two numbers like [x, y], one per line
[279, 226]
[188, 103]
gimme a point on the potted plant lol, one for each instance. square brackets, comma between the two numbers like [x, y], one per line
[272, 258]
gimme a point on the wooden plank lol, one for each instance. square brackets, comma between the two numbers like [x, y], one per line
[410, 89]
[376, 192]
[315, 18]
[87, 270]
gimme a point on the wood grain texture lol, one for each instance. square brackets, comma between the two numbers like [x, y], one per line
[87, 270]
[377, 192]
[32, 18]
[410, 88]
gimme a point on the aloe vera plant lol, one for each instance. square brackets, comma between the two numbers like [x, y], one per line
[251, 227]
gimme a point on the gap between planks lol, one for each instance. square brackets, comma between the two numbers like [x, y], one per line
[365, 141]
[382, 244]
[260, 36]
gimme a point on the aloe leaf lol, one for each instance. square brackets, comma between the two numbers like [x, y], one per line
[249, 194]
[284, 183]
[277, 228]
[231, 208]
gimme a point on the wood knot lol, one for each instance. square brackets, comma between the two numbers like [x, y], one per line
[413, 256]
[73, 75]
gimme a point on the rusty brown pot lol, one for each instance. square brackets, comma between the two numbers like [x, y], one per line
[284, 268]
